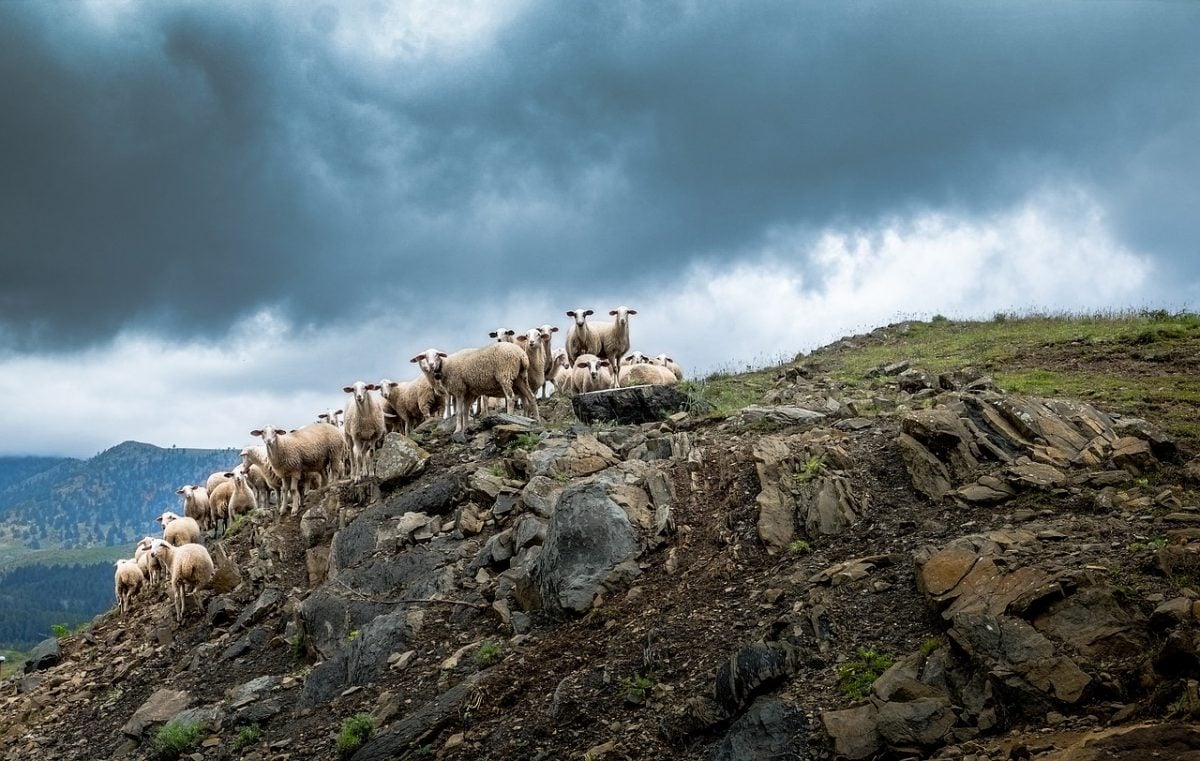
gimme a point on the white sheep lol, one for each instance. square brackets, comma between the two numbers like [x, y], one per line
[148, 564]
[591, 374]
[127, 580]
[504, 334]
[636, 358]
[670, 364]
[536, 348]
[178, 529]
[233, 498]
[331, 416]
[646, 374]
[560, 376]
[614, 337]
[191, 569]
[412, 401]
[546, 334]
[196, 505]
[316, 448]
[365, 427]
[215, 480]
[582, 337]
[497, 369]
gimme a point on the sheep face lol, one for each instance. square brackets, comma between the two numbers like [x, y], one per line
[592, 364]
[166, 518]
[637, 358]
[622, 314]
[533, 335]
[546, 332]
[359, 391]
[431, 363]
[158, 548]
[503, 334]
[386, 385]
[269, 434]
[580, 315]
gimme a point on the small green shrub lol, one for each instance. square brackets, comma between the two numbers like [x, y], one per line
[235, 525]
[856, 677]
[812, 466]
[929, 645]
[297, 644]
[488, 653]
[356, 730]
[497, 470]
[636, 688]
[352, 635]
[247, 736]
[60, 630]
[175, 738]
[525, 441]
[939, 318]
[1150, 545]
[798, 547]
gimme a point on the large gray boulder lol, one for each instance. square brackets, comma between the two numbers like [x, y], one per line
[591, 547]
[632, 405]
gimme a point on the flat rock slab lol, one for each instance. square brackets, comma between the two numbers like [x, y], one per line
[630, 406]
[158, 708]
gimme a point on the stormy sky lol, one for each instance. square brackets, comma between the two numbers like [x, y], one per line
[214, 214]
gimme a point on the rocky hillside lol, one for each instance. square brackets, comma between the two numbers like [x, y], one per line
[890, 548]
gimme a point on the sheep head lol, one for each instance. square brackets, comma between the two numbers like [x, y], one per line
[622, 314]
[580, 315]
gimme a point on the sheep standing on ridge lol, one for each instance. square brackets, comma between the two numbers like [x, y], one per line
[311, 449]
[561, 376]
[494, 370]
[667, 362]
[233, 498]
[646, 374]
[412, 402]
[614, 338]
[546, 334]
[591, 374]
[196, 505]
[191, 569]
[179, 530]
[536, 349]
[364, 427]
[127, 580]
[581, 338]
[149, 565]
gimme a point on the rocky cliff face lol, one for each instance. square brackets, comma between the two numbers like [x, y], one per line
[924, 567]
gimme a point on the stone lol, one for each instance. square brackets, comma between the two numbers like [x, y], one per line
[397, 459]
[220, 611]
[1171, 613]
[770, 730]
[362, 660]
[316, 563]
[266, 603]
[914, 381]
[45, 654]
[157, 709]
[750, 670]
[405, 734]
[779, 416]
[929, 474]
[1010, 646]
[227, 576]
[631, 405]
[921, 722]
[590, 547]
[581, 456]
[316, 527]
[854, 731]
[1134, 455]
[1036, 476]
[540, 494]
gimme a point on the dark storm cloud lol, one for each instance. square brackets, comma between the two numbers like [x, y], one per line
[180, 166]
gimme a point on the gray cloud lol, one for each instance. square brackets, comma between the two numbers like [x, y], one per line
[180, 167]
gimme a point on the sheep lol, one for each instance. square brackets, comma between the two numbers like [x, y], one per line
[591, 374]
[148, 564]
[191, 569]
[636, 358]
[196, 504]
[179, 530]
[233, 498]
[331, 416]
[413, 401]
[494, 370]
[364, 427]
[644, 374]
[264, 481]
[316, 448]
[581, 338]
[561, 377]
[503, 334]
[546, 334]
[127, 580]
[215, 480]
[665, 361]
[536, 347]
[614, 337]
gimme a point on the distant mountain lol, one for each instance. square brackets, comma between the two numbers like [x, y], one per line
[109, 499]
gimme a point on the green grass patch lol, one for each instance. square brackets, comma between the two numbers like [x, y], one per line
[175, 738]
[798, 547]
[488, 653]
[15, 556]
[247, 736]
[635, 689]
[355, 731]
[855, 677]
[810, 469]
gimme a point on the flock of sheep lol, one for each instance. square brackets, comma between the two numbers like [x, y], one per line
[343, 441]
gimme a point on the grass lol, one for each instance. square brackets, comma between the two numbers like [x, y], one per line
[929, 645]
[356, 730]
[1150, 545]
[488, 653]
[524, 441]
[636, 689]
[60, 630]
[798, 547]
[175, 738]
[247, 736]
[856, 677]
[16, 556]
[812, 466]
[13, 661]
[1009, 345]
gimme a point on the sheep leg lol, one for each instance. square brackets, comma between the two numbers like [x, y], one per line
[527, 398]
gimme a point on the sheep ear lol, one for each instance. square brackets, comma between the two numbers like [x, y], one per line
[630, 311]
[604, 363]
[522, 339]
[229, 475]
[256, 433]
[612, 311]
[371, 387]
[587, 312]
[339, 412]
[179, 491]
[443, 354]
[494, 334]
[348, 389]
[571, 313]
[554, 329]
[417, 358]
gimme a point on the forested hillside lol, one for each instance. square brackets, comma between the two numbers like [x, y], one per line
[35, 597]
[109, 499]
